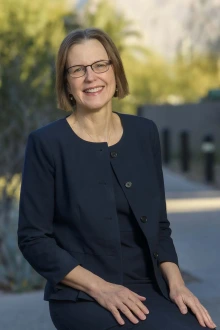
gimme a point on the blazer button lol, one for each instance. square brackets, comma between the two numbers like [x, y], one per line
[156, 255]
[143, 218]
[128, 184]
[114, 154]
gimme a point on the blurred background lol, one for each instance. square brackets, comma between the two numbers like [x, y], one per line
[171, 55]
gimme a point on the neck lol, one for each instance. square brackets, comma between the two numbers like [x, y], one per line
[98, 125]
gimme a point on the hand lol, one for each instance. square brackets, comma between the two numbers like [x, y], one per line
[183, 297]
[117, 297]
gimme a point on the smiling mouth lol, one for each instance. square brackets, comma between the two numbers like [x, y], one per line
[93, 90]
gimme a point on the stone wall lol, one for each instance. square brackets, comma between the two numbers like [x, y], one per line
[199, 119]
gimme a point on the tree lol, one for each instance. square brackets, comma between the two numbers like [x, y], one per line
[101, 14]
[30, 34]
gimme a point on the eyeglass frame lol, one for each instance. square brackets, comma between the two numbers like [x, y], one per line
[85, 66]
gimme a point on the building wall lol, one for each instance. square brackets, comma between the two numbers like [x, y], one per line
[198, 119]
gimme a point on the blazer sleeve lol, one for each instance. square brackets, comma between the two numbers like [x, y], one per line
[167, 251]
[36, 212]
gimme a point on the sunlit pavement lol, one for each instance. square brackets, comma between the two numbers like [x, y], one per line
[194, 213]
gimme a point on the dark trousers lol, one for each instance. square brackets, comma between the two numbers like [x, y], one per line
[88, 315]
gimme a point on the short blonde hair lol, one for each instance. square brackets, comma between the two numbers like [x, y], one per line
[79, 36]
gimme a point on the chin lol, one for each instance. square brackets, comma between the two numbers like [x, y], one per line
[95, 105]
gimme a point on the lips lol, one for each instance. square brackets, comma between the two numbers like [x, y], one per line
[93, 89]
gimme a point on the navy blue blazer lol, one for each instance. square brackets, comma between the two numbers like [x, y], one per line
[67, 210]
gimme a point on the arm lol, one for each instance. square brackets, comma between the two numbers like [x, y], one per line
[82, 279]
[36, 211]
[35, 227]
[172, 274]
[167, 252]
[168, 260]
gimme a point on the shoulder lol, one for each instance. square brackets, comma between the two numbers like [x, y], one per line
[44, 139]
[142, 125]
[48, 134]
[48, 131]
[139, 121]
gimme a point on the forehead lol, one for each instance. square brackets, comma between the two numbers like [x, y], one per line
[87, 52]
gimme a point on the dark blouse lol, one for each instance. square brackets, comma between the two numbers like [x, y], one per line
[136, 262]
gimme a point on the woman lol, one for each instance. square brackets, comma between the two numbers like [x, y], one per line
[92, 216]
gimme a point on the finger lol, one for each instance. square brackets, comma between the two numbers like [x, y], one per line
[207, 317]
[202, 313]
[127, 312]
[137, 295]
[137, 307]
[206, 313]
[139, 304]
[194, 306]
[182, 306]
[116, 315]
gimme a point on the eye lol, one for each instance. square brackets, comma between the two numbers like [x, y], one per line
[77, 69]
[101, 64]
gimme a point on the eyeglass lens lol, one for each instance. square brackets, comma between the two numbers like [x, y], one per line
[80, 70]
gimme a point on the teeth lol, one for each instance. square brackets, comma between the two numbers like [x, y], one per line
[92, 90]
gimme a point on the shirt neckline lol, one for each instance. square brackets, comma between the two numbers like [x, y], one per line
[98, 143]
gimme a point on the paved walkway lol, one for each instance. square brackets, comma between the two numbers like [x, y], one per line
[196, 237]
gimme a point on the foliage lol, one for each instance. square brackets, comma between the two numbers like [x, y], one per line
[103, 15]
[30, 34]
[152, 79]
[194, 76]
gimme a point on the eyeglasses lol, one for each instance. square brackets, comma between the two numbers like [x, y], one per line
[77, 71]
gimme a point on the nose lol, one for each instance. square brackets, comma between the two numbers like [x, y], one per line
[90, 74]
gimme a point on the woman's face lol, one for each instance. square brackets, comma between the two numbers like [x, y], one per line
[87, 53]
